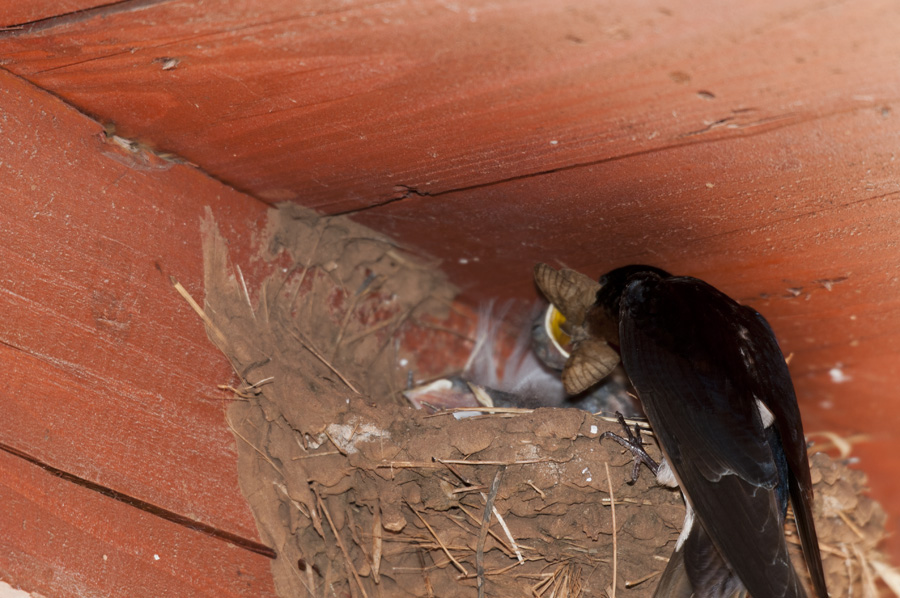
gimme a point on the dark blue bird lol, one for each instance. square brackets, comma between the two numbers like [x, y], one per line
[717, 392]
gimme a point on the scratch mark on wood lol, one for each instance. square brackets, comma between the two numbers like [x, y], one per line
[76, 16]
[152, 509]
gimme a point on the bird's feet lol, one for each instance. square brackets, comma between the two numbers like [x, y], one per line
[632, 441]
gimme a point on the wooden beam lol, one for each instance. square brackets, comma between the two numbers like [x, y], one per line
[60, 539]
[108, 374]
[15, 15]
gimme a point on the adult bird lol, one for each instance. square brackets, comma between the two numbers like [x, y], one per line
[717, 392]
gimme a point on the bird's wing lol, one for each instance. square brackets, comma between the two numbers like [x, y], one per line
[681, 348]
[674, 582]
[776, 391]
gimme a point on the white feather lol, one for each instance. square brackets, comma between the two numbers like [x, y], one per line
[665, 476]
[521, 373]
[688, 524]
[764, 414]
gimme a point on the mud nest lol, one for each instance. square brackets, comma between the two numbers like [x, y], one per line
[362, 495]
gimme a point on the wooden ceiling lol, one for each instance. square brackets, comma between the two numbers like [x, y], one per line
[494, 134]
[753, 144]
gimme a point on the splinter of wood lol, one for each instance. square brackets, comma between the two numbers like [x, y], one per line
[633, 442]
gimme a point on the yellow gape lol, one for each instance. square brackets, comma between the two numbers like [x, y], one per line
[553, 323]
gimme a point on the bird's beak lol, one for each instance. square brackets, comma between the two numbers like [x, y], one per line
[554, 322]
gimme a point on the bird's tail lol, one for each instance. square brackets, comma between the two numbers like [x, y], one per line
[674, 582]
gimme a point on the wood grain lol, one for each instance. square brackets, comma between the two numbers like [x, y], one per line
[429, 98]
[14, 14]
[64, 540]
[751, 144]
[108, 374]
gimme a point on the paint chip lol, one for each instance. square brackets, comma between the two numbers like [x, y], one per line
[7, 591]
[837, 375]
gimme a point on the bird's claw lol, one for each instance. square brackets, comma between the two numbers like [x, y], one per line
[632, 442]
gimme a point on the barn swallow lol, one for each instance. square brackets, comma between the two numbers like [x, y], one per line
[716, 390]
[525, 376]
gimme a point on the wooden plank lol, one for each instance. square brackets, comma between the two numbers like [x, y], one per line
[108, 374]
[752, 145]
[61, 540]
[16, 14]
[425, 98]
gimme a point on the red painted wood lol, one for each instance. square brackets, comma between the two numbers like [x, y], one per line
[752, 144]
[108, 374]
[15, 14]
[62, 540]
[438, 97]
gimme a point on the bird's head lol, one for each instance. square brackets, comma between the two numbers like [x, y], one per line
[591, 318]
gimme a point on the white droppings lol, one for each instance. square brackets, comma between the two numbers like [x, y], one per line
[155, 557]
[347, 436]
[436, 386]
[554, 142]
[404, 362]
[465, 414]
[837, 374]
[463, 260]
[594, 429]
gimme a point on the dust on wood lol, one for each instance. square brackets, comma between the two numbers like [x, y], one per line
[361, 495]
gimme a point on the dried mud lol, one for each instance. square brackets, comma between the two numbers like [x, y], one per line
[361, 495]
